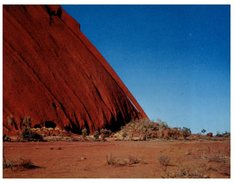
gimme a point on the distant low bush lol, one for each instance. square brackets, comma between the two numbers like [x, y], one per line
[225, 134]
[186, 132]
[203, 131]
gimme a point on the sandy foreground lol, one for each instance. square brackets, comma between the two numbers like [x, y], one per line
[121, 159]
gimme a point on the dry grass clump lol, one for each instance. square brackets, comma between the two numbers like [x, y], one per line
[7, 163]
[186, 172]
[26, 164]
[212, 163]
[164, 160]
[19, 165]
[218, 158]
[115, 161]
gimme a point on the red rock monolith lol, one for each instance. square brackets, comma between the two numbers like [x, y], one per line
[54, 74]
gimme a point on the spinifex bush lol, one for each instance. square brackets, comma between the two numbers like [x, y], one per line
[19, 164]
[121, 161]
[27, 164]
[164, 160]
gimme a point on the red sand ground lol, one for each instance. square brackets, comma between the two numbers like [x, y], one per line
[52, 72]
[88, 159]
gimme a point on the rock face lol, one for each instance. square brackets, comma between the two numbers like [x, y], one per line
[53, 73]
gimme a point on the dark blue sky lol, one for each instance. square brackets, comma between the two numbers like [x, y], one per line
[174, 59]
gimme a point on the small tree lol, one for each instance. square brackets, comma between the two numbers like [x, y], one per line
[186, 132]
[203, 131]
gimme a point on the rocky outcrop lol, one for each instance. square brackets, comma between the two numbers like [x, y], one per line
[54, 74]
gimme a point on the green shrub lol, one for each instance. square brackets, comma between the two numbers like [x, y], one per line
[225, 134]
[186, 132]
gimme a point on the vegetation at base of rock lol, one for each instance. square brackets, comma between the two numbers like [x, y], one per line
[144, 129]
[105, 132]
[84, 132]
[96, 135]
[6, 138]
[135, 130]
[27, 134]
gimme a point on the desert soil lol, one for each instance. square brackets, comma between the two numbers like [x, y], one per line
[152, 159]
